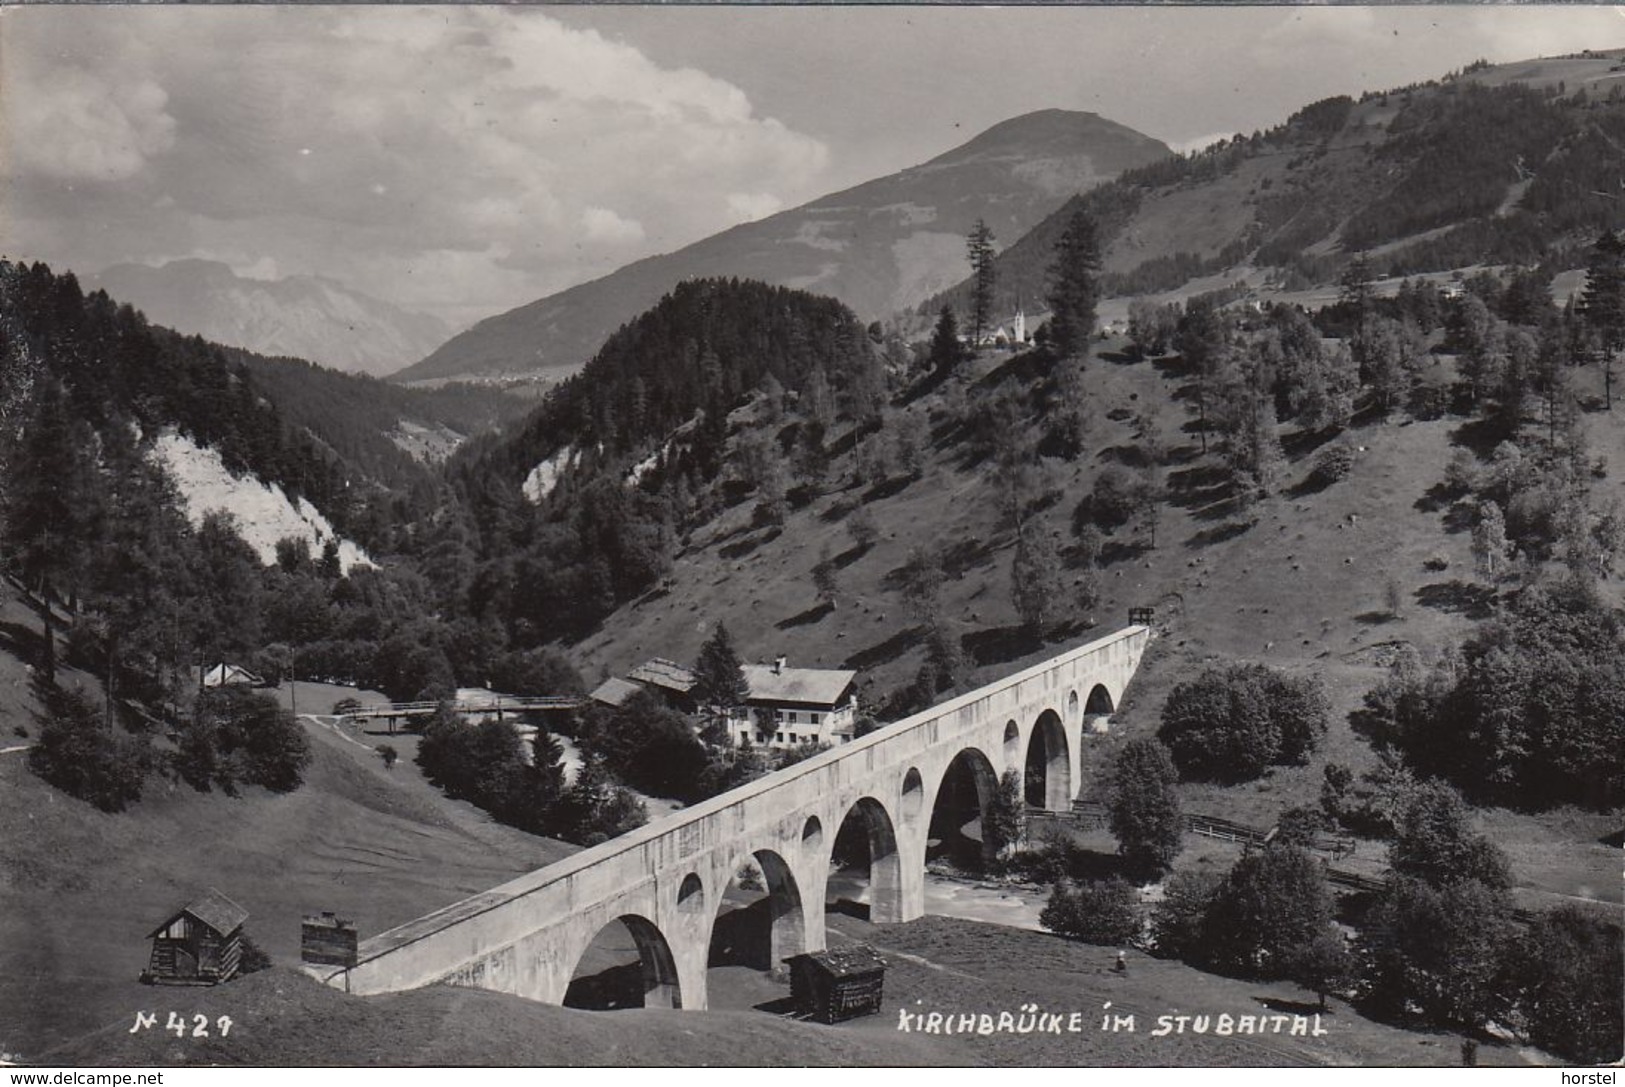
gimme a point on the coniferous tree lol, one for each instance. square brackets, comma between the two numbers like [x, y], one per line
[984, 274]
[1603, 303]
[1201, 340]
[1074, 288]
[719, 679]
[49, 506]
[946, 350]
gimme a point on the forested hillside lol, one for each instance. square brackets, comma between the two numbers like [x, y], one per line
[1469, 170]
[626, 457]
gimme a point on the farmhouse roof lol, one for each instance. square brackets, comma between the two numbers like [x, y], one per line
[613, 691]
[845, 962]
[660, 672]
[223, 673]
[807, 686]
[213, 909]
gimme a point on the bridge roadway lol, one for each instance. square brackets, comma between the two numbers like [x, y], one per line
[665, 881]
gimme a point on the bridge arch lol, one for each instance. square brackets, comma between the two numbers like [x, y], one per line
[812, 834]
[760, 931]
[867, 826]
[1101, 703]
[650, 983]
[913, 801]
[1047, 772]
[966, 791]
[1012, 745]
[691, 895]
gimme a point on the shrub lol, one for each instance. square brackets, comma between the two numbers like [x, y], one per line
[1299, 826]
[1059, 859]
[1569, 993]
[1436, 843]
[1272, 905]
[1100, 912]
[1229, 724]
[1003, 825]
[1437, 951]
[1332, 463]
[1114, 498]
[1178, 921]
[236, 736]
[346, 706]
[649, 747]
[1461, 474]
[254, 958]
[84, 757]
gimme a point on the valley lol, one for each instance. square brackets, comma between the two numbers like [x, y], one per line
[1283, 496]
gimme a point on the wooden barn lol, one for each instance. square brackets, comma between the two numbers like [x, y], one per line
[202, 944]
[840, 984]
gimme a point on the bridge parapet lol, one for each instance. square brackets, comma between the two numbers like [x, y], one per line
[667, 878]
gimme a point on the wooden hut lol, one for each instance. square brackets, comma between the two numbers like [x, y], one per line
[834, 985]
[202, 944]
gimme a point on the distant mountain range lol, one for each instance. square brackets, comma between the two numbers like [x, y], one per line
[880, 247]
[308, 317]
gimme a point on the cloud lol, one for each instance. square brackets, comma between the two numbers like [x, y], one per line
[749, 206]
[603, 225]
[88, 127]
[380, 146]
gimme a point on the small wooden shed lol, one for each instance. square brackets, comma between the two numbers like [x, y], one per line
[843, 983]
[202, 944]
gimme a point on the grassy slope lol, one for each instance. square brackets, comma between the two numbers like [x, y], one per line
[80, 890]
[936, 964]
[1302, 589]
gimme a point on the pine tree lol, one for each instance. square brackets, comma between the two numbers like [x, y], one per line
[49, 506]
[1355, 286]
[719, 680]
[946, 350]
[1603, 303]
[1074, 290]
[979, 251]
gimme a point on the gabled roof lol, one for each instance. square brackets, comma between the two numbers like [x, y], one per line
[808, 686]
[659, 672]
[842, 962]
[223, 673]
[213, 909]
[613, 691]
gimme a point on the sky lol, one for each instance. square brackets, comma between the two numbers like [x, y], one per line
[462, 160]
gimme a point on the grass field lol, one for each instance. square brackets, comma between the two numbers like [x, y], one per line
[934, 965]
[80, 890]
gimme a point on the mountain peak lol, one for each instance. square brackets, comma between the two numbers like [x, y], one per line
[879, 247]
[1045, 131]
[309, 317]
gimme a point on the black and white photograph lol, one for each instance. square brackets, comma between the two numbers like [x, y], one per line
[854, 536]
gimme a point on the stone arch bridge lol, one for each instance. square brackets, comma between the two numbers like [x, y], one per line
[665, 881]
